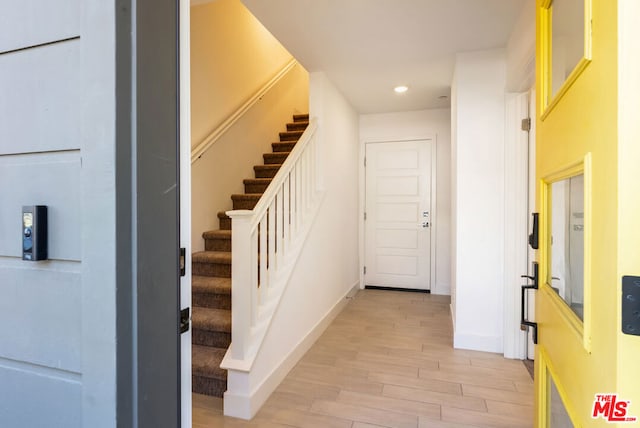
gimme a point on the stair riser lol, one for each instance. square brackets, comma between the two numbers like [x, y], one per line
[216, 339]
[283, 147]
[244, 204]
[265, 172]
[208, 300]
[274, 158]
[255, 188]
[221, 270]
[297, 126]
[217, 244]
[225, 223]
[301, 117]
[208, 386]
[290, 136]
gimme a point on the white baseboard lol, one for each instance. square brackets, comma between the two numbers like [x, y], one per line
[246, 406]
[478, 343]
[354, 290]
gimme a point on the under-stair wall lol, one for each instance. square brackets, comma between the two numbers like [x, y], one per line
[219, 172]
[326, 271]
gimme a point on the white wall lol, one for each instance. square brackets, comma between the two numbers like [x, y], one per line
[328, 265]
[232, 55]
[220, 171]
[435, 123]
[478, 165]
[521, 50]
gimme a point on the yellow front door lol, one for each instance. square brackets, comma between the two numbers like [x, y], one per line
[588, 170]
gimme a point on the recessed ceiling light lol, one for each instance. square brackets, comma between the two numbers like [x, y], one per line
[401, 89]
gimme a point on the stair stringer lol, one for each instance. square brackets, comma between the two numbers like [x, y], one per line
[246, 392]
[271, 300]
[255, 305]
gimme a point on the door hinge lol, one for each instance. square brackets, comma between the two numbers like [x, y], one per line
[365, 161]
[183, 262]
[526, 124]
[185, 320]
[365, 216]
[365, 270]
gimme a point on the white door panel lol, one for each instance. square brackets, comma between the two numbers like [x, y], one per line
[398, 207]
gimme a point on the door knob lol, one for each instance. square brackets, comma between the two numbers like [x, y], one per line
[425, 224]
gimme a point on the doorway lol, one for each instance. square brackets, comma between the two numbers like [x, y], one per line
[399, 212]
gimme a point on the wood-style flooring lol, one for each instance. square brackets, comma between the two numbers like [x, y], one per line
[387, 361]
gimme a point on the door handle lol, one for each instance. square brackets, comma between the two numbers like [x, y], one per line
[524, 322]
[425, 224]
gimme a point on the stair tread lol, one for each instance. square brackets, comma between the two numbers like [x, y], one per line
[211, 319]
[217, 234]
[270, 166]
[301, 117]
[298, 124]
[275, 156]
[257, 180]
[223, 215]
[289, 135]
[212, 257]
[246, 196]
[205, 361]
[210, 285]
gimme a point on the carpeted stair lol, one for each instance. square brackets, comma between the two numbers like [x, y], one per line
[211, 281]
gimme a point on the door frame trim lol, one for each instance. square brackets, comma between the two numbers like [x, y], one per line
[147, 171]
[184, 58]
[516, 204]
[433, 139]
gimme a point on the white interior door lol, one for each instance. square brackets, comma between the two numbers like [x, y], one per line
[398, 217]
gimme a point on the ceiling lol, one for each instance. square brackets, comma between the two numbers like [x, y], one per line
[367, 47]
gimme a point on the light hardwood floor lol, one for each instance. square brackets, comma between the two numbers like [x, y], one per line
[388, 361]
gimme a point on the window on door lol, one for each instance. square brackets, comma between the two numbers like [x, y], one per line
[566, 270]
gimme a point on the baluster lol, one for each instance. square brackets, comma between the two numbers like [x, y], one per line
[286, 212]
[280, 224]
[253, 267]
[308, 178]
[292, 202]
[314, 167]
[264, 277]
[298, 197]
[303, 195]
[271, 236]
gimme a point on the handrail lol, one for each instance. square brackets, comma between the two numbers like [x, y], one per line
[215, 135]
[266, 242]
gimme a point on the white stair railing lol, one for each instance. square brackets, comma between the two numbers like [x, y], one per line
[266, 242]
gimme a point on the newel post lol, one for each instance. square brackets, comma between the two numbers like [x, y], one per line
[241, 286]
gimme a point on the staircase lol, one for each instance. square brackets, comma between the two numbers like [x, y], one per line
[211, 281]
